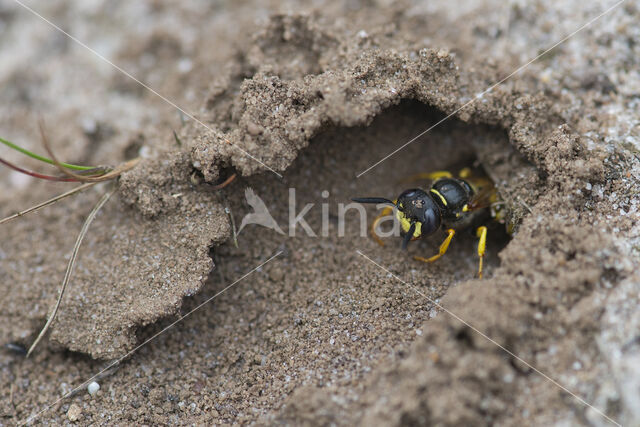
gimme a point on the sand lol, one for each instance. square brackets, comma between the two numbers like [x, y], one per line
[288, 96]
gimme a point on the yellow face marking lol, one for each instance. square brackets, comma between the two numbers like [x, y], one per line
[465, 208]
[437, 193]
[406, 224]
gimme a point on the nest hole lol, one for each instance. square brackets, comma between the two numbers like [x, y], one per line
[324, 177]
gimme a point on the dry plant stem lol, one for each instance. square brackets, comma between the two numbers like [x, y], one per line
[117, 171]
[36, 174]
[72, 261]
[98, 170]
[225, 183]
[48, 202]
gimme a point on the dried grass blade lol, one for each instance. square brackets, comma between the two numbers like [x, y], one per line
[48, 202]
[72, 261]
[116, 172]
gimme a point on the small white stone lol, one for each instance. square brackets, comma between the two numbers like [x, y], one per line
[93, 388]
[89, 125]
[144, 152]
[185, 65]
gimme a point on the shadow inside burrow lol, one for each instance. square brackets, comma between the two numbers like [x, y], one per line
[325, 176]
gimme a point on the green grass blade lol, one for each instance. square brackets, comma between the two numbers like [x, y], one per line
[43, 159]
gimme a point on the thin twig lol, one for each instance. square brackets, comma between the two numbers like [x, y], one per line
[72, 261]
[48, 202]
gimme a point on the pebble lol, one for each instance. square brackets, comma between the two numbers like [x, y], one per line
[185, 65]
[93, 388]
[276, 274]
[253, 128]
[74, 412]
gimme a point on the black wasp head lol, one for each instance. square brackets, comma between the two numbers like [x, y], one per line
[417, 206]
[417, 212]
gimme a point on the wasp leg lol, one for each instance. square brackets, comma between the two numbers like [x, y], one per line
[481, 233]
[443, 248]
[432, 176]
[374, 225]
[465, 173]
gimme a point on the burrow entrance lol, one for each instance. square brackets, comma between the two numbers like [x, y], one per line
[321, 315]
[324, 175]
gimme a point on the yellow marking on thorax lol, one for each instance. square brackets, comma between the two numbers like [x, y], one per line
[437, 193]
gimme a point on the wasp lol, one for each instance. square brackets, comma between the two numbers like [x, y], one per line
[450, 203]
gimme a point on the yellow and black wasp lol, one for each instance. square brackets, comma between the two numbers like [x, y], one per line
[451, 203]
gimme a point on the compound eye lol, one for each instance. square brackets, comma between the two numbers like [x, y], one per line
[408, 197]
[430, 221]
[407, 194]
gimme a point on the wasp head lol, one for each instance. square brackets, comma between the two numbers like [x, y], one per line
[417, 212]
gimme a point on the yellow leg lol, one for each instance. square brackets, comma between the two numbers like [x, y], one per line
[374, 225]
[443, 248]
[481, 233]
[438, 174]
[464, 173]
[430, 176]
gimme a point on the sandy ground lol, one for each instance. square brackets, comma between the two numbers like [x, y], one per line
[321, 335]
